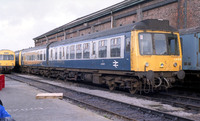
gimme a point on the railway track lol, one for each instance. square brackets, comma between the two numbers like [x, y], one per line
[186, 102]
[116, 108]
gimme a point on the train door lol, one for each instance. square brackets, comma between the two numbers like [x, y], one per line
[198, 53]
[94, 50]
[189, 44]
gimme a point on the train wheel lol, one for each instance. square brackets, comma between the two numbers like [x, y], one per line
[58, 77]
[133, 90]
[112, 87]
[134, 87]
[49, 75]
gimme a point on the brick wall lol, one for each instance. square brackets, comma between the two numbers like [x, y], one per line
[181, 14]
[193, 13]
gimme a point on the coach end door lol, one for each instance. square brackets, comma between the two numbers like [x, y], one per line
[198, 53]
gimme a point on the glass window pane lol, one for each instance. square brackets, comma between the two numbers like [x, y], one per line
[86, 50]
[115, 46]
[128, 43]
[41, 55]
[160, 44]
[173, 44]
[145, 42]
[72, 52]
[78, 51]
[11, 57]
[5, 57]
[51, 54]
[60, 53]
[56, 54]
[67, 52]
[102, 48]
[44, 55]
[63, 53]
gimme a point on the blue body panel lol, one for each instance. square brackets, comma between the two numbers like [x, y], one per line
[98, 64]
[191, 51]
[101, 64]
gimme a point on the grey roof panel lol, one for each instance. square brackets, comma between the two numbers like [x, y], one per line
[189, 31]
[34, 48]
[114, 31]
[149, 24]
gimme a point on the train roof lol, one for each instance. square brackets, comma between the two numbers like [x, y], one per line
[154, 25]
[148, 24]
[34, 48]
[6, 50]
[109, 32]
[189, 31]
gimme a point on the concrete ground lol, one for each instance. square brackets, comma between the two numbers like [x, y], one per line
[19, 100]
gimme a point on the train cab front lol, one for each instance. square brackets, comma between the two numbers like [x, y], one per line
[156, 57]
[7, 61]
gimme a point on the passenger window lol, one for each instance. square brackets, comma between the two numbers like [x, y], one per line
[128, 43]
[115, 47]
[173, 45]
[160, 44]
[34, 58]
[78, 51]
[67, 52]
[63, 53]
[40, 55]
[102, 48]
[145, 43]
[72, 52]
[31, 57]
[86, 50]
[12, 57]
[93, 50]
[60, 53]
[1, 57]
[56, 54]
[51, 54]
[44, 55]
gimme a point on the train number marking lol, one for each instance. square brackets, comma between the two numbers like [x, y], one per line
[115, 64]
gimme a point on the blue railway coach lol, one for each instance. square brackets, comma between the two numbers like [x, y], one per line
[191, 48]
[106, 52]
[144, 56]
[190, 39]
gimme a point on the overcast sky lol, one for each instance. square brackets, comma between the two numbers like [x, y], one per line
[22, 20]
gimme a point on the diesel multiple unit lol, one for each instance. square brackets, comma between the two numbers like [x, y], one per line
[190, 39]
[7, 61]
[144, 56]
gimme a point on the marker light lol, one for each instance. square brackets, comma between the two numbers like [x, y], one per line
[161, 65]
[146, 64]
[175, 64]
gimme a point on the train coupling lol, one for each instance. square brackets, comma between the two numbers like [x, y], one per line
[180, 74]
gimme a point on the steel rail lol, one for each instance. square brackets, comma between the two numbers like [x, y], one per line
[51, 88]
